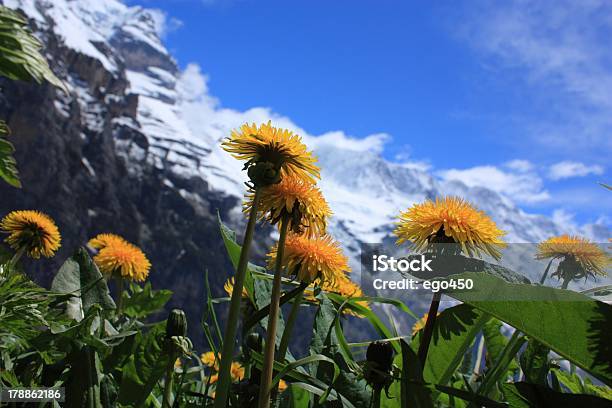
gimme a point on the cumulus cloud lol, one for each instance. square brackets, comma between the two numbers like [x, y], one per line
[569, 169]
[520, 186]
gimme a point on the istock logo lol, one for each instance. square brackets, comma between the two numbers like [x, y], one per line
[382, 263]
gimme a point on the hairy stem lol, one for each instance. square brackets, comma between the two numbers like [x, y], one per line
[227, 353]
[268, 361]
[167, 399]
[284, 344]
[429, 326]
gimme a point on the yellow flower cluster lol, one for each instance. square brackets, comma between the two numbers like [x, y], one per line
[117, 257]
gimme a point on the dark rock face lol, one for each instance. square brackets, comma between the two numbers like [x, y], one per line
[72, 169]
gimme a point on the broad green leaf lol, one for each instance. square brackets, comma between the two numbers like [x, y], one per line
[8, 164]
[80, 277]
[455, 330]
[144, 368]
[569, 323]
[524, 395]
[412, 390]
[143, 301]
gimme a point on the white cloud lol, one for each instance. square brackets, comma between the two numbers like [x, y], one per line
[519, 165]
[568, 169]
[560, 50]
[526, 187]
[205, 116]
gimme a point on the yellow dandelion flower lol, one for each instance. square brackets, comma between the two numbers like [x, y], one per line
[125, 260]
[282, 386]
[208, 359]
[591, 258]
[103, 240]
[420, 324]
[214, 378]
[32, 232]
[237, 371]
[281, 147]
[450, 219]
[178, 364]
[301, 200]
[229, 288]
[312, 258]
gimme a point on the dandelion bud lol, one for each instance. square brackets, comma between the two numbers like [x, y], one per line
[379, 364]
[264, 174]
[176, 325]
[254, 341]
[381, 352]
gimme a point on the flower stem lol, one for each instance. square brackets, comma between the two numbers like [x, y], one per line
[167, 399]
[120, 286]
[268, 361]
[376, 398]
[543, 279]
[227, 353]
[284, 344]
[429, 326]
[13, 262]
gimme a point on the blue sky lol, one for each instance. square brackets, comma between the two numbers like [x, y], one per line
[512, 95]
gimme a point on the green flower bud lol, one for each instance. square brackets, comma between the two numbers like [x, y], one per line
[176, 325]
[263, 174]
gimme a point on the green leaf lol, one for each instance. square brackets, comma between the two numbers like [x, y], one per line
[534, 362]
[413, 393]
[455, 330]
[569, 323]
[8, 164]
[495, 342]
[20, 57]
[143, 301]
[79, 276]
[233, 250]
[524, 395]
[144, 368]
[299, 397]
[325, 341]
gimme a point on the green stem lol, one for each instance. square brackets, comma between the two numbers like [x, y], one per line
[376, 398]
[167, 399]
[268, 361]
[120, 287]
[429, 327]
[546, 272]
[227, 353]
[284, 343]
[13, 262]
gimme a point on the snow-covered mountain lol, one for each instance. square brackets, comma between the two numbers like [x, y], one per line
[170, 123]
